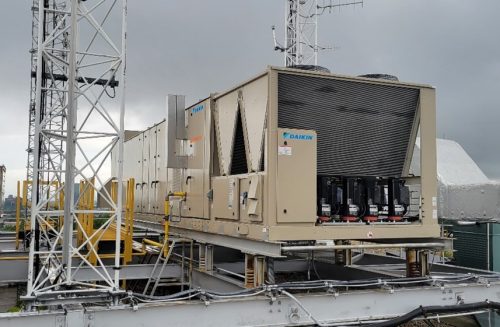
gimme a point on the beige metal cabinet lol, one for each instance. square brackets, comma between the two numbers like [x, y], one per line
[275, 199]
[151, 203]
[136, 152]
[161, 169]
[296, 182]
[145, 172]
[194, 180]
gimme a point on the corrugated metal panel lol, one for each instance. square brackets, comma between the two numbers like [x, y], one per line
[363, 129]
[470, 245]
[495, 246]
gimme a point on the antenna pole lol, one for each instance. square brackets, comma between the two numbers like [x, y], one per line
[301, 30]
[77, 114]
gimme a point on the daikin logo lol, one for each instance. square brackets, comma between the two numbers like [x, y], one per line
[291, 136]
[198, 108]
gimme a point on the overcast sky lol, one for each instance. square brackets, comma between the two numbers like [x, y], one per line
[199, 47]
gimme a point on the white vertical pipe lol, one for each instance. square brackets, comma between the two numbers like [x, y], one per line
[70, 143]
[121, 136]
[36, 156]
[315, 32]
[287, 9]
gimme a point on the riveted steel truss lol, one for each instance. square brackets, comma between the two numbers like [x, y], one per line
[80, 62]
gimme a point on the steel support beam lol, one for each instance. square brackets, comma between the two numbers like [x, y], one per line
[352, 307]
[287, 266]
[274, 249]
[215, 282]
[417, 245]
[269, 249]
[130, 272]
[15, 270]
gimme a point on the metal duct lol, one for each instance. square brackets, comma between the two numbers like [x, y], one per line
[363, 129]
[176, 130]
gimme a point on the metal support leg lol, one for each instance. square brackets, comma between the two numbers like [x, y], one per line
[209, 257]
[206, 257]
[249, 271]
[348, 257]
[201, 257]
[343, 257]
[424, 262]
[270, 271]
[260, 270]
[412, 264]
[255, 270]
[339, 254]
[191, 259]
[183, 269]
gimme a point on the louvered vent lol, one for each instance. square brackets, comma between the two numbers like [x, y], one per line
[363, 129]
[471, 246]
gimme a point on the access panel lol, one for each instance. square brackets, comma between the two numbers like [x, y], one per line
[161, 169]
[296, 178]
[145, 173]
[226, 198]
[137, 147]
[153, 180]
[194, 180]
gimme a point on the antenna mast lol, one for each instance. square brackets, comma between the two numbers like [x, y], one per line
[76, 119]
[301, 30]
[43, 26]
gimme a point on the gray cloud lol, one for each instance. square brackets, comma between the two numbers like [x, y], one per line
[199, 47]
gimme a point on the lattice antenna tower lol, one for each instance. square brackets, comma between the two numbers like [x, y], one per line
[76, 119]
[49, 99]
[301, 29]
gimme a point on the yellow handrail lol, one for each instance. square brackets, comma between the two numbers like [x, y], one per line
[18, 213]
[166, 219]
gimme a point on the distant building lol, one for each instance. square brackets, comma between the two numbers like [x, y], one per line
[10, 203]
